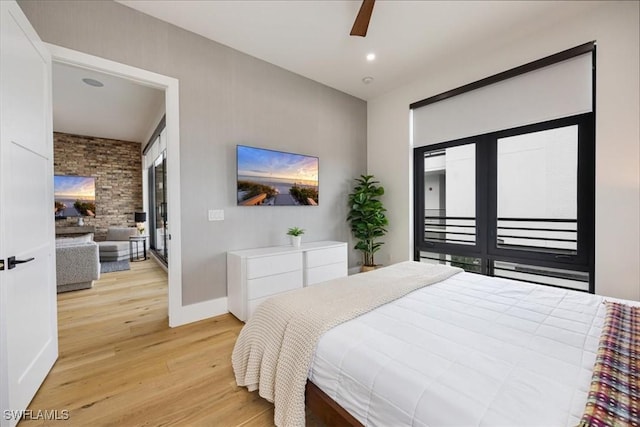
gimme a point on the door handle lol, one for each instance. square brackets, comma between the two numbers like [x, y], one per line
[12, 262]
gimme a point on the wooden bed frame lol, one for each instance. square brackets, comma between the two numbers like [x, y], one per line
[326, 409]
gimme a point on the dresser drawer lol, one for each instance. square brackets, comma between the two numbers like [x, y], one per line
[274, 264]
[271, 285]
[326, 272]
[253, 304]
[325, 256]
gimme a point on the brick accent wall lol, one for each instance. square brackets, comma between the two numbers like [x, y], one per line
[117, 167]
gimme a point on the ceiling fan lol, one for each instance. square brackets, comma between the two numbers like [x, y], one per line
[361, 23]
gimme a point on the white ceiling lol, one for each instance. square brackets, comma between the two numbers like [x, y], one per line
[307, 37]
[120, 109]
[311, 37]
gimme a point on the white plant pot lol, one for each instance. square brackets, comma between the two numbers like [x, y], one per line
[296, 241]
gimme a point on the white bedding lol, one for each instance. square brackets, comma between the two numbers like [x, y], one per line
[469, 351]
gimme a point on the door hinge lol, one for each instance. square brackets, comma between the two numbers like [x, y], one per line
[1, 264]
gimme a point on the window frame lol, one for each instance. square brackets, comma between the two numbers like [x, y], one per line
[486, 247]
[584, 191]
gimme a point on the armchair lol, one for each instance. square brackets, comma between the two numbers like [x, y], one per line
[77, 264]
[116, 245]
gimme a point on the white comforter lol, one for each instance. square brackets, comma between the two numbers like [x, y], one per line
[469, 351]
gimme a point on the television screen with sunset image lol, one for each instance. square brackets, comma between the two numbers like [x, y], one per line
[74, 196]
[276, 178]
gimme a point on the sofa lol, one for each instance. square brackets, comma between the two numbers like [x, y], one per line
[116, 245]
[77, 263]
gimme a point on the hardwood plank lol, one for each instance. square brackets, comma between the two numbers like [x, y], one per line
[121, 365]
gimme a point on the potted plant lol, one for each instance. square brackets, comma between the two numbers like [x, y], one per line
[367, 218]
[296, 236]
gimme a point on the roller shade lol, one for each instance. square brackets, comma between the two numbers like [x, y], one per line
[559, 90]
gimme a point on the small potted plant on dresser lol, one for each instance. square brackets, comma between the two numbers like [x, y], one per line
[367, 218]
[296, 236]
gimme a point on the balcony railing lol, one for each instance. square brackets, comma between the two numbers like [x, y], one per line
[548, 234]
[534, 234]
[449, 229]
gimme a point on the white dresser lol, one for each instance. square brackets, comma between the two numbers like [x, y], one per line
[254, 275]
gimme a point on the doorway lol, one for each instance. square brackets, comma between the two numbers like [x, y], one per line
[169, 85]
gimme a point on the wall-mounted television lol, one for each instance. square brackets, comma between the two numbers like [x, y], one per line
[275, 178]
[75, 196]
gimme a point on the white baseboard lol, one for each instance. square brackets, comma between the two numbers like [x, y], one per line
[199, 311]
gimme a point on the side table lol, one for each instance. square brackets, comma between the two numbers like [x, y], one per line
[136, 240]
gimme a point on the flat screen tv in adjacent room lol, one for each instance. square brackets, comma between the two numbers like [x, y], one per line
[276, 178]
[75, 196]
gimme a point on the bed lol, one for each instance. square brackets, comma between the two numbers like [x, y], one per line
[451, 348]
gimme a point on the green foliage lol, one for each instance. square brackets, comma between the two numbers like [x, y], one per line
[85, 208]
[295, 231]
[366, 216]
[253, 189]
[466, 263]
[303, 194]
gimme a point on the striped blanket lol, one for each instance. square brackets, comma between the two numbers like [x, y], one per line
[614, 396]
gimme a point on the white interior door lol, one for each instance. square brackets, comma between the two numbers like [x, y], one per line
[28, 318]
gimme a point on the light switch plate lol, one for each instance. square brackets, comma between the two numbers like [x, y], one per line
[216, 215]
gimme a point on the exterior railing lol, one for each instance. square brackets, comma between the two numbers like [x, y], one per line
[554, 234]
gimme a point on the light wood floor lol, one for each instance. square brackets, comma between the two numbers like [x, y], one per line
[121, 365]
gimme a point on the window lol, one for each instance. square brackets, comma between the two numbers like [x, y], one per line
[511, 192]
[449, 195]
[536, 187]
[516, 203]
[155, 161]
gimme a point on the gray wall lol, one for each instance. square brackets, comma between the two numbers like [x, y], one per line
[226, 98]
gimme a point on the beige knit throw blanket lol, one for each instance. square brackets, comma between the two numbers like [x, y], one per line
[274, 350]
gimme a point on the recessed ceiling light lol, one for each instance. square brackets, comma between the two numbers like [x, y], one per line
[93, 82]
[371, 56]
[367, 80]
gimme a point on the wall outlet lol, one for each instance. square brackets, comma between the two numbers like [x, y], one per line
[216, 215]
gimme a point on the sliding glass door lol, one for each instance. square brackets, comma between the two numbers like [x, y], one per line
[158, 202]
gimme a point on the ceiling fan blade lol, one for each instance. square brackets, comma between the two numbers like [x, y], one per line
[361, 23]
